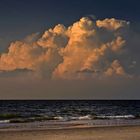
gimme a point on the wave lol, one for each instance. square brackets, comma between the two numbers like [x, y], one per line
[14, 118]
[116, 117]
[4, 121]
[9, 116]
[46, 118]
[94, 117]
[86, 117]
[33, 119]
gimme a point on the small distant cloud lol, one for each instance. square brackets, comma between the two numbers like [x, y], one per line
[32, 38]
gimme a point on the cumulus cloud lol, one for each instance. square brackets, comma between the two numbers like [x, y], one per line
[72, 52]
[111, 24]
[115, 69]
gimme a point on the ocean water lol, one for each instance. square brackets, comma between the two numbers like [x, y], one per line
[32, 114]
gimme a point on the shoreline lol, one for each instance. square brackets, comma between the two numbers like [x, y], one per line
[69, 128]
[58, 125]
[97, 133]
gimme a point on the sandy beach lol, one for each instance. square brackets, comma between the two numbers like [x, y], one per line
[99, 133]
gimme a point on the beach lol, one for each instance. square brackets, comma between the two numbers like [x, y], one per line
[93, 133]
[69, 120]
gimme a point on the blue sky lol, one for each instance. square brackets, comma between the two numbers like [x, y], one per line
[19, 18]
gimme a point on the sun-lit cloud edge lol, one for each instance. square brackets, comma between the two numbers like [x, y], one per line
[86, 49]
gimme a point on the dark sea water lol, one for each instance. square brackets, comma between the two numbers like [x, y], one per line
[66, 113]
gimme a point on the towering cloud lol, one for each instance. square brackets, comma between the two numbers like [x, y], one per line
[85, 48]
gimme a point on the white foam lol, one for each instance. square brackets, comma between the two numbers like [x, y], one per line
[87, 117]
[4, 121]
[58, 118]
[116, 117]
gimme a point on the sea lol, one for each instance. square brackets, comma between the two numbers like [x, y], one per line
[63, 114]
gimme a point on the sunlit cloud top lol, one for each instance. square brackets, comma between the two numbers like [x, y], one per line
[87, 49]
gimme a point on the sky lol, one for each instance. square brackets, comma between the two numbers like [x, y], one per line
[69, 49]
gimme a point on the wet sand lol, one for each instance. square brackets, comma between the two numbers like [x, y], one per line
[99, 133]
